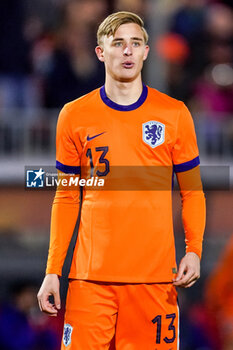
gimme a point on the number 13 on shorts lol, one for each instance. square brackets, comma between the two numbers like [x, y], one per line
[171, 327]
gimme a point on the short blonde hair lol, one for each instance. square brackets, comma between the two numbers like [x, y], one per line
[110, 25]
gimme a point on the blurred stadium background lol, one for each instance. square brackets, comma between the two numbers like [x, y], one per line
[47, 59]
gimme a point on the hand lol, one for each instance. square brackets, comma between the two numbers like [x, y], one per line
[50, 286]
[189, 271]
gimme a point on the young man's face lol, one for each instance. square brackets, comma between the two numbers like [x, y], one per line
[123, 54]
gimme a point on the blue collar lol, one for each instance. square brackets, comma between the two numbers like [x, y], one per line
[123, 108]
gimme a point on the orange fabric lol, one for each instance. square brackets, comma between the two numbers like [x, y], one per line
[193, 209]
[142, 316]
[219, 295]
[219, 287]
[124, 236]
[63, 220]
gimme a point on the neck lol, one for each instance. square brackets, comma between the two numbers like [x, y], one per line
[123, 93]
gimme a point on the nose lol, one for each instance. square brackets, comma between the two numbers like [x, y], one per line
[127, 50]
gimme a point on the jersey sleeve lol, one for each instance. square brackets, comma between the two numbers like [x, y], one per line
[67, 150]
[185, 152]
[185, 164]
[193, 209]
[64, 216]
[65, 206]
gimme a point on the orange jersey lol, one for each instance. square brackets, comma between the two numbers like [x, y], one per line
[125, 235]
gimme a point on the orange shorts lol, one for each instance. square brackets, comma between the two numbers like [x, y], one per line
[121, 316]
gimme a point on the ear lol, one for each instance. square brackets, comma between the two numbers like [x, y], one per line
[99, 53]
[147, 49]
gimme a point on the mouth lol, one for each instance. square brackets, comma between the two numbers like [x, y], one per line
[128, 64]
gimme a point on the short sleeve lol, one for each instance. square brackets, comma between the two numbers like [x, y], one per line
[185, 154]
[67, 153]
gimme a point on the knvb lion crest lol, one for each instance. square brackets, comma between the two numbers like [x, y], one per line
[153, 133]
[67, 334]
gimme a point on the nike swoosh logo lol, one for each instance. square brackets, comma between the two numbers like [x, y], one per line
[89, 138]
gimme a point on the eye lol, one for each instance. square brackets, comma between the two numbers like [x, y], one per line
[136, 43]
[118, 44]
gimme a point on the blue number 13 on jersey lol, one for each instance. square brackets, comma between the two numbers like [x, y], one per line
[102, 160]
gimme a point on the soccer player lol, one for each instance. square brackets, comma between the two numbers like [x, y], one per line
[123, 276]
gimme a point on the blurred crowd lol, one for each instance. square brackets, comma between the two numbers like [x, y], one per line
[22, 325]
[201, 56]
[198, 49]
[47, 55]
[47, 51]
